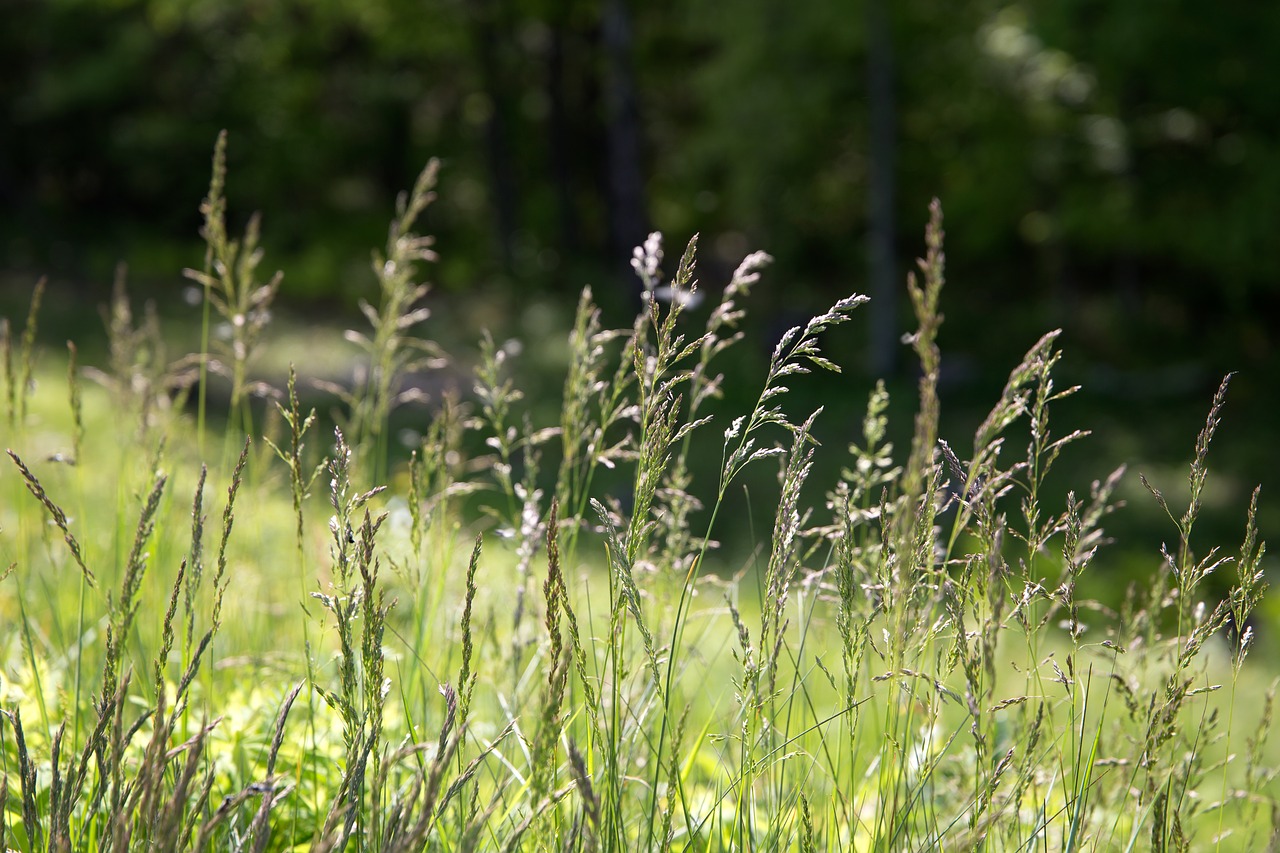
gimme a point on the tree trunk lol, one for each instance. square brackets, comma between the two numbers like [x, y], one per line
[560, 140]
[882, 342]
[628, 219]
[502, 182]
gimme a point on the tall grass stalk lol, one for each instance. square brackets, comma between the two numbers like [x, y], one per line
[230, 285]
[909, 661]
[19, 368]
[392, 349]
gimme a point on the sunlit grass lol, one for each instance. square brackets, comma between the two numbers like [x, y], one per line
[515, 639]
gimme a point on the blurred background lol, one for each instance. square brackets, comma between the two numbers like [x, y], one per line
[1112, 169]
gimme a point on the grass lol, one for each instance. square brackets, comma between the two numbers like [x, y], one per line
[276, 641]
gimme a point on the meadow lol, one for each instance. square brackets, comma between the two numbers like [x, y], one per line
[229, 628]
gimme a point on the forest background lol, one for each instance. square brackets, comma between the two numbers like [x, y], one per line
[1110, 169]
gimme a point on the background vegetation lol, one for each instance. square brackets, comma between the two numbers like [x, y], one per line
[1101, 184]
[1095, 185]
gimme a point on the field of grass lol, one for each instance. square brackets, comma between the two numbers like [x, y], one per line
[254, 634]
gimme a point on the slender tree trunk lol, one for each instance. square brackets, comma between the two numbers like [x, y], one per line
[628, 218]
[882, 349]
[560, 140]
[502, 181]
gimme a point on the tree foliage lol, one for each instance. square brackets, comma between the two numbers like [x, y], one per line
[1112, 150]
